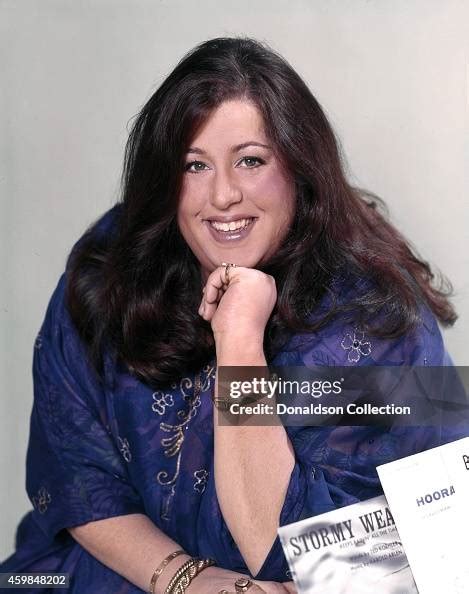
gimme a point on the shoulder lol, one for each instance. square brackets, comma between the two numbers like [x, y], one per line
[58, 338]
[96, 235]
[107, 223]
[102, 230]
[63, 373]
[342, 342]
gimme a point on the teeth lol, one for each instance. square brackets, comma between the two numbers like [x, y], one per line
[232, 226]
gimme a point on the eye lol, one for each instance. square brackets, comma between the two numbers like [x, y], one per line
[251, 162]
[195, 166]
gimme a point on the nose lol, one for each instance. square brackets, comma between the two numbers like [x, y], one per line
[225, 190]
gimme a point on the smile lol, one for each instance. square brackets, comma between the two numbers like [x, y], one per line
[232, 225]
[230, 231]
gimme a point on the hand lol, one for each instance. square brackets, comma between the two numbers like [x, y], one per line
[215, 579]
[241, 308]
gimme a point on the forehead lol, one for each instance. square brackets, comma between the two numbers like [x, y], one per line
[232, 122]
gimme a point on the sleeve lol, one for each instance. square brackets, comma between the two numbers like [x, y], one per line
[336, 466]
[75, 472]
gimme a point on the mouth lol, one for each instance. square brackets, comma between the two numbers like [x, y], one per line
[233, 230]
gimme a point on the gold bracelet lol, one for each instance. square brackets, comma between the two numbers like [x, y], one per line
[160, 568]
[173, 581]
[186, 573]
[186, 578]
[222, 404]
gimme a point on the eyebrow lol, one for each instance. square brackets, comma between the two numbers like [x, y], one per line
[235, 149]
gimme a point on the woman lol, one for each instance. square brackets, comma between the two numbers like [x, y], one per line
[231, 161]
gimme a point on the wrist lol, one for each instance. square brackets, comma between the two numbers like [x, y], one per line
[199, 583]
[241, 354]
[186, 574]
[168, 572]
[240, 348]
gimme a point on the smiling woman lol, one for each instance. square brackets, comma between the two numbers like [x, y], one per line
[237, 241]
[238, 199]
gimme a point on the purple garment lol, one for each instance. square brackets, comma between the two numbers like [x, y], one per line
[104, 449]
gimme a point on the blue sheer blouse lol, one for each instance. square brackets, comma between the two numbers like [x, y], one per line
[100, 449]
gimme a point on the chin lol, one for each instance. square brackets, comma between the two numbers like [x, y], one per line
[246, 260]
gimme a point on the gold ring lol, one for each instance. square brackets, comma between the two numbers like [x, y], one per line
[243, 584]
[227, 266]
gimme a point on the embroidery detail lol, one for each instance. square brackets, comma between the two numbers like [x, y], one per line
[356, 345]
[162, 401]
[201, 477]
[38, 342]
[41, 500]
[191, 392]
[124, 449]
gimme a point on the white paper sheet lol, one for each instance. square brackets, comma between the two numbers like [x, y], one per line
[428, 494]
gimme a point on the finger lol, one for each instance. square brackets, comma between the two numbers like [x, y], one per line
[214, 290]
[218, 296]
[267, 587]
[215, 284]
[254, 589]
[290, 587]
[209, 297]
[201, 309]
[209, 309]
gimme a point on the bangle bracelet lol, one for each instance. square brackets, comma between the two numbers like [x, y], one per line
[173, 581]
[222, 404]
[159, 570]
[186, 573]
[189, 574]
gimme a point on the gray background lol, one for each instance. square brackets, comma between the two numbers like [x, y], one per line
[392, 75]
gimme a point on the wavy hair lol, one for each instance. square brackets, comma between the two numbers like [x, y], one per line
[137, 290]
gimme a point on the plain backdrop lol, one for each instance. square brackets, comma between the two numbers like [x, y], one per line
[392, 76]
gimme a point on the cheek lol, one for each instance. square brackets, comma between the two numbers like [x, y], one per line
[190, 198]
[185, 219]
[277, 197]
[188, 207]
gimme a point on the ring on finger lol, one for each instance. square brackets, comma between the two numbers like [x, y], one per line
[243, 584]
[227, 266]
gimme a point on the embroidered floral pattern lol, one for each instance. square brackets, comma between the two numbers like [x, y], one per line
[41, 500]
[162, 401]
[124, 448]
[356, 345]
[201, 477]
[173, 443]
[191, 391]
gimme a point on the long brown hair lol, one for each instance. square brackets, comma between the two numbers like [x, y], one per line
[137, 290]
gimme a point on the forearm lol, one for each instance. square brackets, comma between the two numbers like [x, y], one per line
[253, 465]
[132, 546]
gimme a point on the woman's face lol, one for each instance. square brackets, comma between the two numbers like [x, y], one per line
[237, 199]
